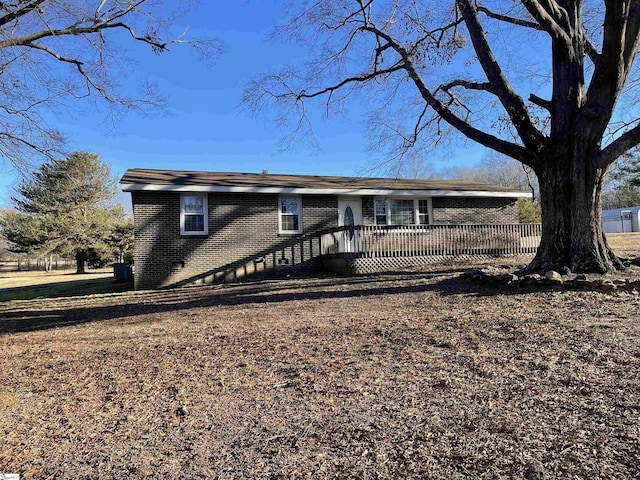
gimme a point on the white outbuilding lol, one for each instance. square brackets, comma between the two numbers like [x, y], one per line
[621, 220]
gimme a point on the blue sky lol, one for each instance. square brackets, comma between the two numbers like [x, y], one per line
[204, 127]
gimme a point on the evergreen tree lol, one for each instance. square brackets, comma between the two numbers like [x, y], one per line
[65, 207]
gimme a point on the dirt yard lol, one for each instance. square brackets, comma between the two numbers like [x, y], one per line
[625, 244]
[392, 376]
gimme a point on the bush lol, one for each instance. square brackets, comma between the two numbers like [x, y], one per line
[529, 212]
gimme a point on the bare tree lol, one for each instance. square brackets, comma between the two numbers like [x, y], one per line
[497, 169]
[536, 80]
[53, 52]
[411, 164]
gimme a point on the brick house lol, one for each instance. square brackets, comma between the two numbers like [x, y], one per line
[202, 227]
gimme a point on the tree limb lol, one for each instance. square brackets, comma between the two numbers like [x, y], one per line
[76, 30]
[550, 16]
[590, 49]
[513, 104]
[79, 66]
[356, 79]
[541, 102]
[618, 147]
[11, 16]
[513, 20]
[467, 84]
[619, 48]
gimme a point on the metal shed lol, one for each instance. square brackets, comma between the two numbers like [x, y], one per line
[621, 220]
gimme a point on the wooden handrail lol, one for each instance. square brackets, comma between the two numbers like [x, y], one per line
[421, 240]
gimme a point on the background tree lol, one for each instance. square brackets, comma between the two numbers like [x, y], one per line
[66, 207]
[536, 80]
[53, 52]
[117, 246]
[500, 170]
[25, 234]
[121, 240]
[622, 184]
[497, 169]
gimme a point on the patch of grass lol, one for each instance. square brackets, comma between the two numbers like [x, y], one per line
[33, 285]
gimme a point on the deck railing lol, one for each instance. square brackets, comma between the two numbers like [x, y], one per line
[428, 240]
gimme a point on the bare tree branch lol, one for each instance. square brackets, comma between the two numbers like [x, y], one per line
[541, 102]
[619, 146]
[350, 80]
[513, 104]
[468, 84]
[39, 36]
[551, 16]
[14, 15]
[590, 49]
[512, 20]
[620, 46]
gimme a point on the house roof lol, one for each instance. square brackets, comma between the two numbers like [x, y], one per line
[137, 179]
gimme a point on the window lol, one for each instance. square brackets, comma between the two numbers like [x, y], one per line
[349, 218]
[194, 214]
[402, 211]
[423, 212]
[290, 214]
[380, 207]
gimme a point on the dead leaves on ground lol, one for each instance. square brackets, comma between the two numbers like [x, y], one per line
[403, 376]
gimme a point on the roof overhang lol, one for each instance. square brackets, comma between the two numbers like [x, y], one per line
[138, 187]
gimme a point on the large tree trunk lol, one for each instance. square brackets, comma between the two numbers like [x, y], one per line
[80, 257]
[572, 233]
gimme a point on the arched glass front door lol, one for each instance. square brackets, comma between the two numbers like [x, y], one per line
[349, 219]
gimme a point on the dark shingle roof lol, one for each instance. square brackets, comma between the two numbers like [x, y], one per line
[265, 180]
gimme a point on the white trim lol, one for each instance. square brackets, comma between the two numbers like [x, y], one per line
[136, 187]
[206, 213]
[300, 226]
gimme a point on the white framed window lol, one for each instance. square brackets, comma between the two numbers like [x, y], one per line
[194, 214]
[289, 214]
[423, 211]
[402, 211]
[380, 211]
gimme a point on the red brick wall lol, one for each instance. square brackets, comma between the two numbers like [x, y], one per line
[243, 238]
[479, 210]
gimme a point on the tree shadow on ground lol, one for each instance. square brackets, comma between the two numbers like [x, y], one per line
[69, 312]
[66, 288]
[35, 315]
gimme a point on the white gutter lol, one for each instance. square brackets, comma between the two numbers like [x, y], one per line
[138, 187]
